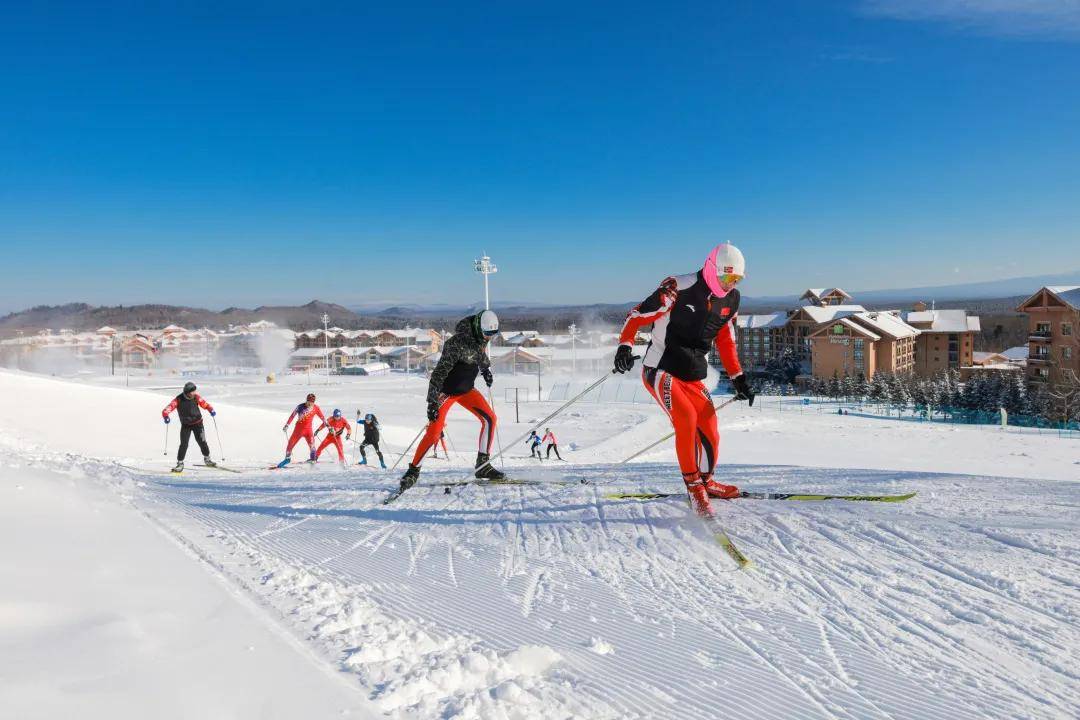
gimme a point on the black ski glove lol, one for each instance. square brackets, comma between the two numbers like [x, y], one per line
[624, 359]
[432, 411]
[742, 388]
[488, 377]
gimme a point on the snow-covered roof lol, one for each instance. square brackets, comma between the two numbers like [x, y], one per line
[771, 320]
[847, 322]
[1068, 294]
[1020, 352]
[311, 352]
[820, 293]
[828, 313]
[948, 321]
[173, 328]
[886, 323]
[982, 358]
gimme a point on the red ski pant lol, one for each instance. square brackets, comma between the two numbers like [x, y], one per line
[301, 431]
[690, 409]
[474, 402]
[329, 440]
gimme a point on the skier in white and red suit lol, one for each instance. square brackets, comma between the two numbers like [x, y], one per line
[689, 314]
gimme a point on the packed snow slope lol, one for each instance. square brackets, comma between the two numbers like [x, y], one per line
[554, 601]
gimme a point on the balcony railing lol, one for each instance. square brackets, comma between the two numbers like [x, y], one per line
[1040, 336]
[1042, 358]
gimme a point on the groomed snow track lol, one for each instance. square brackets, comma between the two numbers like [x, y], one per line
[551, 601]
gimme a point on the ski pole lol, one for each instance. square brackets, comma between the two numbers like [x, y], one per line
[498, 435]
[452, 447]
[166, 451]
[561, 408]
[406, 450]
[218, 433]
[671, 434]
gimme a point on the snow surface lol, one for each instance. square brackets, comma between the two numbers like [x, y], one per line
[551, 601]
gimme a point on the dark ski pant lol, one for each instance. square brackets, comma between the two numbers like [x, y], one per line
[534, 451]
[555, 447]
[186, 431]
[372, 444]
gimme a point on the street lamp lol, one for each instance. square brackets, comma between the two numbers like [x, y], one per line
[485, 267]
[408, 347]
[326, 344]
[573, 347]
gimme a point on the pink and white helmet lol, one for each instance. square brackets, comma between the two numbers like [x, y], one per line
[725, 259]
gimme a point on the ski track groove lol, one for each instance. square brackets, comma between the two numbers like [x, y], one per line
[949, 645]
[630, 559]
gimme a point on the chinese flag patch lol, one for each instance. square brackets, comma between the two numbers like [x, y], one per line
[724, 312]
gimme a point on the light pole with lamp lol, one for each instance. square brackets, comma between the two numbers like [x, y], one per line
[485, 267]
[326, 344]
[573, 348]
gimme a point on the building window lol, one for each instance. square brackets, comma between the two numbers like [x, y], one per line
[838, 329]
[1042, 328]
[859, 353]
[1066, 328]
[1066, 353]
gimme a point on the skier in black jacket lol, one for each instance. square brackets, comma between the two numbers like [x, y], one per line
[464, 356]
[690, 314]
[187, 405]
[371, 437]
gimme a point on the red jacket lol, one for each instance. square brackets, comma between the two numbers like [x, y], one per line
[305, 415]
[337, 426]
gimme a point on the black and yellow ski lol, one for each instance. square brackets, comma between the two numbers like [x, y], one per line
[808, 497]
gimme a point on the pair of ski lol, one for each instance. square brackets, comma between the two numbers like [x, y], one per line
[482, 482]
[725, 541]
[209, 467]
[177, 472]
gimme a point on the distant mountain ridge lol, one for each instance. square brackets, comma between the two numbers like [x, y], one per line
[986, 290]
[1000, 296]
[82, 317]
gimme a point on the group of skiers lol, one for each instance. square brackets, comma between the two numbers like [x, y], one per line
[535, 440]
[188, 403]
[689, 314]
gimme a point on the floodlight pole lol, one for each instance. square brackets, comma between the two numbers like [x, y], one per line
[326, 344]
[485, 267]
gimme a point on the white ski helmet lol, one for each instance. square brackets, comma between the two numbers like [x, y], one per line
[488, 323]
[724, 260]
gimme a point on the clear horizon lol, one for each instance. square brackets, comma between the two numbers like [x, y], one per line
[217, 156]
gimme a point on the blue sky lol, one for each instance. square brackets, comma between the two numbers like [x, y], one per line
[244, 154]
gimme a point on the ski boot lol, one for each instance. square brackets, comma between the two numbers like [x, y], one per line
[363, 461]
[208, 462]
[382, 463]
[698, 496]
[719, 490]
[179, 467]
[409, 478]
[485, 471]
[286, 461]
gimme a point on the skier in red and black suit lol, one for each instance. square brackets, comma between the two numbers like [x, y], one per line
[337, 425]
[187, 405]
[690, 314]
[464, 356]
[305, 414]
